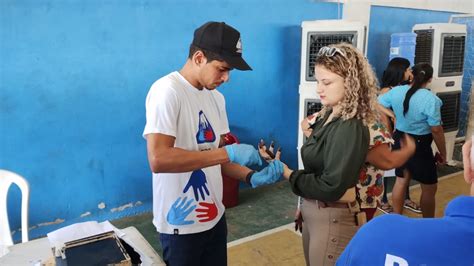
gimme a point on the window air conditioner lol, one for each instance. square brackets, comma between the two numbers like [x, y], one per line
[316, 34]
[442, 45]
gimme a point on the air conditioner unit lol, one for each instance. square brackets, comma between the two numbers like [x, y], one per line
[316, 34]
[442, 45]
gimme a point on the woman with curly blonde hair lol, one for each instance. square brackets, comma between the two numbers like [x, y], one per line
[335, 153]
[359, 81]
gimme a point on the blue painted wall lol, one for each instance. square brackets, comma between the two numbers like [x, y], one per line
[387, 20]
[73, 81]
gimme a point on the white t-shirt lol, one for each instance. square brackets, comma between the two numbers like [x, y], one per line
[189, 202]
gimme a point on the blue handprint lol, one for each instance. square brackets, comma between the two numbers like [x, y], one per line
[179, 211]
[198, 182]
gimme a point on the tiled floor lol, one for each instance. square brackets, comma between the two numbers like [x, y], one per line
[279, 246]
[282, 246]
[449, 187]
[273, 206]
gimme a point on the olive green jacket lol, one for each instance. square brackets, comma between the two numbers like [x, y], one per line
[332, 157]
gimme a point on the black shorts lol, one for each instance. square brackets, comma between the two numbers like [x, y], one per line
[422, 165]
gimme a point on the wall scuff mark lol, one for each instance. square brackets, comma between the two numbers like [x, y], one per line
[85, 214]
[57, 221]
[123, 207]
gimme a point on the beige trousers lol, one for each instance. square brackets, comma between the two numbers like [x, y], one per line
[326, 232]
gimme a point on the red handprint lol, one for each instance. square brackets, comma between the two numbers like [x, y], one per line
[209, 212]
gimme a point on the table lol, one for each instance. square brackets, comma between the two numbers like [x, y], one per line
[39, 250]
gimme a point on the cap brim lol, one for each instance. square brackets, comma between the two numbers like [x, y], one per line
[236, 62]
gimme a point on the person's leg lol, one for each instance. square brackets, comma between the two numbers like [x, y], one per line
[182, 249]
[385, 206]
[407, 193]
[424, 171]
[315, 232]
[306, 239]
[398, 192]
[409, 203]
[402, 178]
[427, 199]
[385, 186]
[215, 249]
[342, 227]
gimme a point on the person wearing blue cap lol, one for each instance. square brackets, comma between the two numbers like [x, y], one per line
[414, 241]
[185, 123]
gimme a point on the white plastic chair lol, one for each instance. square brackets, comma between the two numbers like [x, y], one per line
[6, 179]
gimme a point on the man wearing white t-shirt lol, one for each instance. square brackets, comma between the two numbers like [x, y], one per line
[185, 121]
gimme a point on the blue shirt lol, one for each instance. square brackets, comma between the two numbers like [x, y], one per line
[424, 111]
[416, 241]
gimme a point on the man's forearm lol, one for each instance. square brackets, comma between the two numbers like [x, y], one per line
[176, 160]
[235, 171]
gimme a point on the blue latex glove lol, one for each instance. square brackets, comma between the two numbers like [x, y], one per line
[243, 154]
[268, 175]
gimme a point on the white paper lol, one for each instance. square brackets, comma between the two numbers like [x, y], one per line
[4, 250]
[77, 231]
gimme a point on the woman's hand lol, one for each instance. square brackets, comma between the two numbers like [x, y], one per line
[440, 159]
[298, 221]
[286, 170]
[269, 155]
[307, 123]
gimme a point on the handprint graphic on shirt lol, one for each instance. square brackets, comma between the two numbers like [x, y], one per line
[179, 211]
[209, 211]
[198, 182]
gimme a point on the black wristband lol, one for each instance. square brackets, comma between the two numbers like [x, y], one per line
[249, 176]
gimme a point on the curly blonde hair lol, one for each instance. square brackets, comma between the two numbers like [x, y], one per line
[360, 83]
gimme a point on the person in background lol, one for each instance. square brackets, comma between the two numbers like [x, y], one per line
[334, 152]
[184, 129]
[468, 162]
[380, 157]
[417, 112]
[414, 241]
[398, 72]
